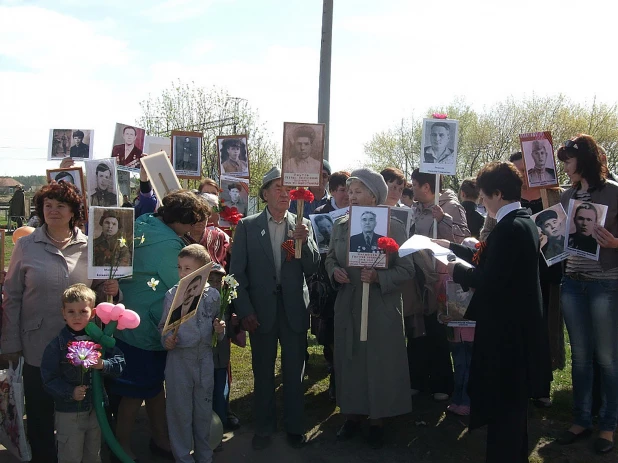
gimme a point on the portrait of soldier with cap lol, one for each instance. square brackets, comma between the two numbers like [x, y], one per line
[303, 151]
[111, 246]
[552, 232]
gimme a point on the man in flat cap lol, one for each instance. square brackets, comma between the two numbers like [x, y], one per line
[272, 305]
[553, 230]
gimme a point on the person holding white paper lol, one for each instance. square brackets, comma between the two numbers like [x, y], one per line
[510, 361]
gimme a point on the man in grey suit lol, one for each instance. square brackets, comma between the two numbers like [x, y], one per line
[272, 306]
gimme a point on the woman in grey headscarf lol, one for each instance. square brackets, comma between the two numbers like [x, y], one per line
[372, 377]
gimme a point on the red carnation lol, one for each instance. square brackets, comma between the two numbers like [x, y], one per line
[388, 245]
[303, 194]
[439, 116]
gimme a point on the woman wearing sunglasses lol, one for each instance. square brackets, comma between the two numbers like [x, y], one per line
[589, 296]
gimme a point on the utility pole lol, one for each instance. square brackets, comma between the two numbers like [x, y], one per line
[325, 61]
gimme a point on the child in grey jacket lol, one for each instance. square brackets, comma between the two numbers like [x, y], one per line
[189, 370]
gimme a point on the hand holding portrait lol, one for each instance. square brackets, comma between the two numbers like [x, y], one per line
[604, 237]
[170, 342]
[437, 212]
[369, 275]
[301, 232]
[111, 288]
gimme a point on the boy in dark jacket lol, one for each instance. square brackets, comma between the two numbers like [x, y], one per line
[77, 431]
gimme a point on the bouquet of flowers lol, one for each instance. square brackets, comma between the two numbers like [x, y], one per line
[228, 293]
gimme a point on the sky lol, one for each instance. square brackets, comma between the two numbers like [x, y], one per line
[88, 64]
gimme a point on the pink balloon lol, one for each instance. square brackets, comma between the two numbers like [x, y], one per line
[108, 312]
[128, 320]
[117, 311]
[104, 311]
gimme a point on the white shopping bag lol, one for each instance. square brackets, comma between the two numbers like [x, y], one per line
[12, 429]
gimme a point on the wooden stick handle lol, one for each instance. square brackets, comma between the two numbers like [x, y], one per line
[364, 312]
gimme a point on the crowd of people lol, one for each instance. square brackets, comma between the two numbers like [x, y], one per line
[490, 371]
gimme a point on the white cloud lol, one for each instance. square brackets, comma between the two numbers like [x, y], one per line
[171, 11]
[48, 41]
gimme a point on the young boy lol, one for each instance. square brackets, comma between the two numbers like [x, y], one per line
[77, 431]
[189, 370]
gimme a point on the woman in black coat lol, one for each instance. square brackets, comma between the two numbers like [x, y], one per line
[510, 361]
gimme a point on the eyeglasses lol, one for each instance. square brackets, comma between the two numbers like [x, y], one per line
[571, 144]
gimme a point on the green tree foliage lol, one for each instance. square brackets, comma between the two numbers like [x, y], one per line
[30, 180]
[214, 112]
[493, 133]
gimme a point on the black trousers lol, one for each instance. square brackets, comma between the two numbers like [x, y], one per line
[429, 359]
[40, 413]
[507, 436]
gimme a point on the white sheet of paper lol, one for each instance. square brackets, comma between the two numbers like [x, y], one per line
[417, 242]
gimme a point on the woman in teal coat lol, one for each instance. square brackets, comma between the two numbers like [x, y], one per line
[157, 244]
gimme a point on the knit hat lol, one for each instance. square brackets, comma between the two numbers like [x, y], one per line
[373, 181]
[272, 174]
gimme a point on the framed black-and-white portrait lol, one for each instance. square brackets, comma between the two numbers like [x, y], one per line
[155, 144]
[439, 146]
[128, 146]
[582, 217]
[187, 297]
[538, 155]
[367, 224]
[101, 180]
[457, 301]
[161, 174]
[74, 143]
[551, 224]
[234, 193]
[322, 229]
[187, 154]
[233, 156]
[303, 154]
[110, 242]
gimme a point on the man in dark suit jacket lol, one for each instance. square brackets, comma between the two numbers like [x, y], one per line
[511, 361]
[367, 241]
[272, 305]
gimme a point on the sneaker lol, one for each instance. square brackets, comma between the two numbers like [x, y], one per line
[440, 396]
[349, 429]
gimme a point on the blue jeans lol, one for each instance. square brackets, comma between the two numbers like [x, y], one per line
[590, 310]
[221, 394]
[462, 355]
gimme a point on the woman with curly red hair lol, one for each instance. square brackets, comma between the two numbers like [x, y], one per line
[42, 266]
